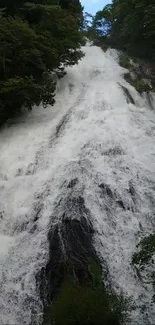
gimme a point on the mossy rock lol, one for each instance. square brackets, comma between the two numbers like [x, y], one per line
[96, 273]
[134, 76]
[132, 64]
[147, 250]
[144, 257]
[124, 62]
[139, 84]
[12, 121]
[86, 304]
[101, 43]
[71, 286]
[128, 78]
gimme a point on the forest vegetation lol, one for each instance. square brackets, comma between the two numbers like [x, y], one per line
[37, 38]
[128, 25]
[41, 37]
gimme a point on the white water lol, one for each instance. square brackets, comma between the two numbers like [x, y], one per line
[103, 139]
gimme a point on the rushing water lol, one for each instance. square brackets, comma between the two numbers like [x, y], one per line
[100, 132]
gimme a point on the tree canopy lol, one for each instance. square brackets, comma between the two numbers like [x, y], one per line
[129, 24]
[36, 38]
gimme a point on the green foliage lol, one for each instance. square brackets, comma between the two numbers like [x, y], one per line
[16, 92]
[130, 25]
[75, 7]
[86, 303]
[20, 89]
[36, 37]
[103, 20]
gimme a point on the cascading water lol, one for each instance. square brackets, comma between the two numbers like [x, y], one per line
[96, 143]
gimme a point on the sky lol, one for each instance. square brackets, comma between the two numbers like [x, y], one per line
[92, 6]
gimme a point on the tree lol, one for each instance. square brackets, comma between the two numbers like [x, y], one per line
[103, 20]
[36, 38]
[130, 25]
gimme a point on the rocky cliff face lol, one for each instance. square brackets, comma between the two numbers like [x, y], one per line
[70, 246]
[147, 69]
[72, 283]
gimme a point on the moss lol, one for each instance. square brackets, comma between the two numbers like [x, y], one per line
[147, 250]
[11, 121]
[102, 43]
[136, 60]
[87, 303]
[128, 78]
[138, 84]
[124, 62]
[144, 256]
[133, 76]
[141, 86]
[130, 63]
[96, 272]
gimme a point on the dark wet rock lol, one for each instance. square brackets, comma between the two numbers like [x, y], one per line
[33, 229]
[141, 226]
[38, 210]
[121, 204]
[106, 190]
[19, 172]
[1, 215]
[71, 86]
[3, 177]
[30, 170]
[128, 96]
[61, 125]
[73, 263]
[150, 100]
[18, 228]
[116, 151]
[131, 190]
[147, 69]
[70, 247]
[61, 74]
[72, 183]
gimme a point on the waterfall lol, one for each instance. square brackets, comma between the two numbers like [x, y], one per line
[90, 158]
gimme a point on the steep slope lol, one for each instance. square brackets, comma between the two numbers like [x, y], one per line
[96, 143]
